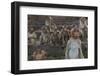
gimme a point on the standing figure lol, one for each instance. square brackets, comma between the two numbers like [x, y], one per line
[44, 37]
[31, 37]
[73, 48]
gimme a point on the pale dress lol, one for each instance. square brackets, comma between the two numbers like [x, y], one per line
[73, 49]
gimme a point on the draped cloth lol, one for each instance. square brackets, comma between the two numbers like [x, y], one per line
[73, 49]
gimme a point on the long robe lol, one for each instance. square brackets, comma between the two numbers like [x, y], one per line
[73, 49]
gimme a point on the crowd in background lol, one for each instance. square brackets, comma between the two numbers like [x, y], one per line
[54, 35]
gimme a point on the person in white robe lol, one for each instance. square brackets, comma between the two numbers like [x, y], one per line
[73, 48]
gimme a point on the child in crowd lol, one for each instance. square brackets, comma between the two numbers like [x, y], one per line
[73, 48]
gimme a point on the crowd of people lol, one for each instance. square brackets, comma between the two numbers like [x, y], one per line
[53, 35]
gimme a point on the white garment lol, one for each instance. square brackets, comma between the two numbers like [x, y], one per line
[73, 49]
